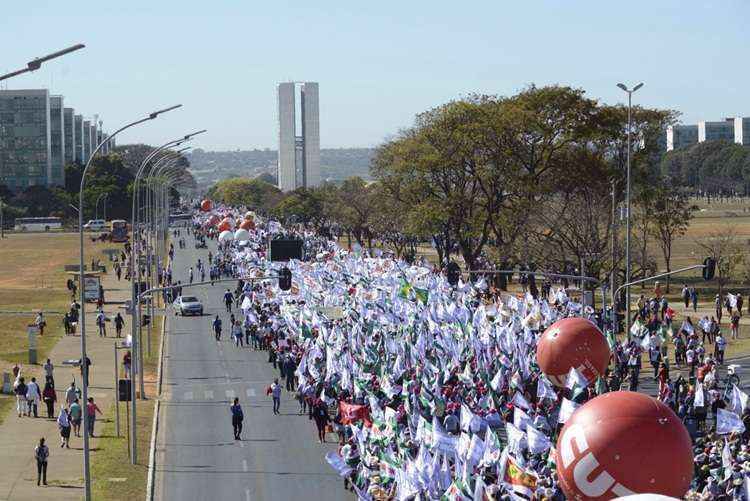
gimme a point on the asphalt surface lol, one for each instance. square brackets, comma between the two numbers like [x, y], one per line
[197, 457]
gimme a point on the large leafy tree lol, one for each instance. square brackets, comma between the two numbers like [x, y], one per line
[252, 193]
[672, 214]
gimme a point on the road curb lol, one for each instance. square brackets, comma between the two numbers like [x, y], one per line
[161, 354]
[150, 484]
[152, 454]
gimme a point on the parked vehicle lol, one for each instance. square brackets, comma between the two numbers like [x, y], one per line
[95, 225]
[38, 223]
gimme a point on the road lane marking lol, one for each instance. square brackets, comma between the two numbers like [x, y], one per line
[209, 394]
[244, 464]
[247, 494]
[251, 392]
[188, 395]
[230, 394]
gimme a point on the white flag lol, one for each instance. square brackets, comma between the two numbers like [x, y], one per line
[567, 407]
[516, 438]
[520, 419]
[726, 459]
[497, 381]
[576, 379]
[538, 441]
[544, 389]
[728, 422]
[699, 400]
[739, 400]
[520, 401]
[338, 464]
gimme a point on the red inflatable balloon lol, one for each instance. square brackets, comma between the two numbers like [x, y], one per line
[572, 342]
[247, 225]
[213, 220]
[624, 443]
[206, 205]
[224, 226]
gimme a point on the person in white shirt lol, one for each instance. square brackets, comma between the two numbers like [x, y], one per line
[33, 395]
[49, 370]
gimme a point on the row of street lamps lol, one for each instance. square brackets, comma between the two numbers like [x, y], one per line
[151, 230]
[156, 187]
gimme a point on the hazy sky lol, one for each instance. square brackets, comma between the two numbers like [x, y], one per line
[378, 63]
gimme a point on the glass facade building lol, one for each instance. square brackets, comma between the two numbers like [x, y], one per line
[25, 143]
[69, 132]
[78, 124]
[57, 139]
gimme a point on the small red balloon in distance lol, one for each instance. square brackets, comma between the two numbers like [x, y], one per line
[572, 343]
[623, 443]
[206, 205]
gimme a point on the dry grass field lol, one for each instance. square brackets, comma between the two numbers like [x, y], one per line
[32, 278]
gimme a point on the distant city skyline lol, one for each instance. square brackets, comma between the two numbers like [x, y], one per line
[380, 64]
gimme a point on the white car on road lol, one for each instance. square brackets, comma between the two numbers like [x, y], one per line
[188, 305]
[95, 225]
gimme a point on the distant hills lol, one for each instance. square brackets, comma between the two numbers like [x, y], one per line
[336, 164]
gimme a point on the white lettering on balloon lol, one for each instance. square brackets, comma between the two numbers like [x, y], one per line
[586, 464]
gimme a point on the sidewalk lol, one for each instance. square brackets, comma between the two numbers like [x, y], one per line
[19, 436]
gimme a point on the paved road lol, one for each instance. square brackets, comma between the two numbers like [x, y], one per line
[197, 458]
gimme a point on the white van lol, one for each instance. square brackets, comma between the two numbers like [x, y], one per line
[95, 225]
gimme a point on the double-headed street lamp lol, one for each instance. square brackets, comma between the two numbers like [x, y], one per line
[627, 208]
[135, 276]
[82, 286]
[37, 63]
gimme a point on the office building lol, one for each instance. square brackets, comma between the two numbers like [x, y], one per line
[70, 135]
[680, 136]
[716, 131]
[299, 155]
[25, 146]
[86, 141]
[78, 126]
[742, 130]
[57, 139]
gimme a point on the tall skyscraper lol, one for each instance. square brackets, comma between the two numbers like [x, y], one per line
[78, 125]
[299, 155]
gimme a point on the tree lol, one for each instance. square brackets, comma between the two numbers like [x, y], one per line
[672, 215]
[39, 201]
[252, 193]
[352, 206]
[723, 246]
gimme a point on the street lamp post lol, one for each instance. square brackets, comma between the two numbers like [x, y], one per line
[37, 63]
[81, 283]
[627, 202]
[135, 276]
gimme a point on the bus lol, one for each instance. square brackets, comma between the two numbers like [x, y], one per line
[38, 223]
[180, 219]
[119, 230]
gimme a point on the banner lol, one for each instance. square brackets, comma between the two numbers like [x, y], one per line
[521, 481]
[728, 422]
[338, 464]
[351, 413]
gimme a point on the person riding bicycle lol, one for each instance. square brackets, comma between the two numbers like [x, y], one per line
[217, 327]
[228, 300]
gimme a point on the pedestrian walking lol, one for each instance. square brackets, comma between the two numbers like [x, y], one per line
[694, 298]
[275, 391]
[85, 369]
[40, 322]
[734, 325]
[71, 394]
[22, 403]
[126, 361]
[217, 328]
[119, 322]
[91, 410]
[321, 417]
[49, 395]
[101, 322]
[41, 453]
[49, 371]
[740, 302]
[237, 418]
[237, 333]
[76, 415]
[63, 424]
[686, 295]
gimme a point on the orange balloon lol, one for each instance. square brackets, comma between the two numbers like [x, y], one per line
[572, 343]
[223, 226]
[623, 443]
[206, 205]
[246, 225]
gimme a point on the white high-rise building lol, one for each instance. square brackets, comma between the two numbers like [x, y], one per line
[299, 155]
